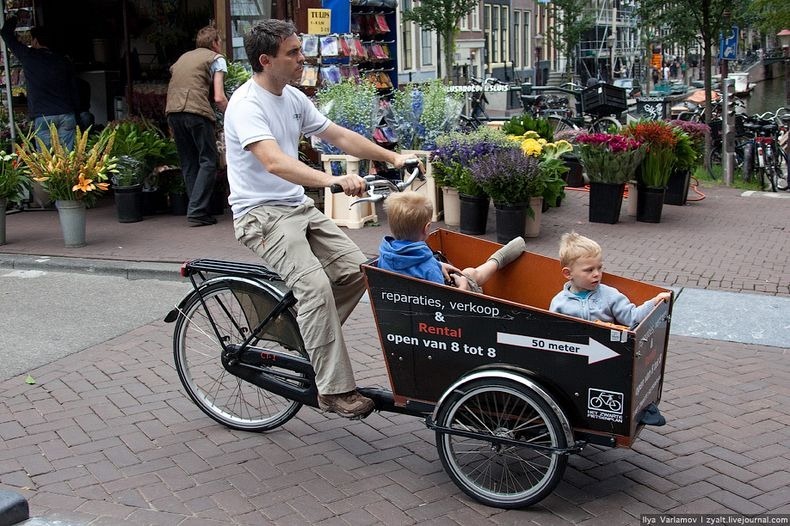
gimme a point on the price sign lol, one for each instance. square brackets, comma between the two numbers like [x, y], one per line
[319, 21]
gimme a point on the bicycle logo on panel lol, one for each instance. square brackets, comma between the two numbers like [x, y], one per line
[605, 405]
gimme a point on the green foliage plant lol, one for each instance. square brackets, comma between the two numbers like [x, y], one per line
[608, 158]
[71, 175]
[419, 113]
[352, 104]
[237, 75]
[521, 124]
[455, 153]
[660, 141]
[13, 177]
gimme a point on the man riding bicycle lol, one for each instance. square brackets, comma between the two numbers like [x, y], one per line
[272, 216]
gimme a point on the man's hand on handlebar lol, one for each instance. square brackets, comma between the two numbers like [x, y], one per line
[407, 161]
[352, 185]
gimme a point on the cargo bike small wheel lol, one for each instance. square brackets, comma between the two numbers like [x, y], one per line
[521, 467]
[229, 310]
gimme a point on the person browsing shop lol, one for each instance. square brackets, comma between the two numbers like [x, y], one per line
[52, 95]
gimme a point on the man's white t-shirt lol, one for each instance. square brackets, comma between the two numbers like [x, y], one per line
[254, 114]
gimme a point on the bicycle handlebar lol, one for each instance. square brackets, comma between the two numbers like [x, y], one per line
[385, 185]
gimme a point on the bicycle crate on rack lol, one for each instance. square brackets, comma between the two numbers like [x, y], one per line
[604, 99]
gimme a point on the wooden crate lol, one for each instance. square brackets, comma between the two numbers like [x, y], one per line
[338, 206]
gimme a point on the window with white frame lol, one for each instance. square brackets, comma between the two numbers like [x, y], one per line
[406, 53]
[463, 23]
[474, 17]
[426, 48]
[518, 37]
[504, 27]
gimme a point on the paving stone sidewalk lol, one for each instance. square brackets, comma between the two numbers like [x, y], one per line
[107, 436]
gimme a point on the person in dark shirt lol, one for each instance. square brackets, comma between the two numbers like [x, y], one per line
[52, 96]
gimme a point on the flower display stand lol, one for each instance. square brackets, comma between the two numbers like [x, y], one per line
[428, 187]
[338, 206]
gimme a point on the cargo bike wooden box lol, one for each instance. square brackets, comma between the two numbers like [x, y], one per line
[509, 388]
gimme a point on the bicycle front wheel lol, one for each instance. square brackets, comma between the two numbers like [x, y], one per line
[779, 171]
[560, 124]
[605, 125]
[229, 310]
[504, 475]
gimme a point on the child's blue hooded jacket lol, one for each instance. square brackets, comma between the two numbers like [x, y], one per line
[413, 258]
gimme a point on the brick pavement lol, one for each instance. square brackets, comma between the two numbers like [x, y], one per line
[108, 435]
[724, 242]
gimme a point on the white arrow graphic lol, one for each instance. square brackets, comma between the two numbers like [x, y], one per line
[595, 351]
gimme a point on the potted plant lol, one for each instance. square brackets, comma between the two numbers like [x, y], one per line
[510, 178]
[548, 188]
[127, 184]
[609, 160]
[140, 139]
[660, 140]
[13, 183]
[74, 178]
[173, 184]
[688, 154]
[574, 177]
[524, 123]
[452, 159]
[354, 105]
[417, 115]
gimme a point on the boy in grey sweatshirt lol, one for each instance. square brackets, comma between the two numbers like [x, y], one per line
[584, 296]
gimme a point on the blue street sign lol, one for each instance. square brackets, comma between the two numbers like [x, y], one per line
[728, 46]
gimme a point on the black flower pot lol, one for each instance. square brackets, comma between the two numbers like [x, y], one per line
[474, 214]
[178, 204]
[574, 177]
[606, 200]
[129, 203]
[510, 221]
[155, 202]
[649, 204]
[677, 188]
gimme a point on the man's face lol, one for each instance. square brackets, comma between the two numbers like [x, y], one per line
[286, 66]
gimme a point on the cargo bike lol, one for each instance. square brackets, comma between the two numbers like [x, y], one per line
[510, 389]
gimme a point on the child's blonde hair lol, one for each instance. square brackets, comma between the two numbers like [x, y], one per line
[574, 246]
[407, 214]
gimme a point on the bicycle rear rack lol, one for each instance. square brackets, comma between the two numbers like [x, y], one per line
[231, 268]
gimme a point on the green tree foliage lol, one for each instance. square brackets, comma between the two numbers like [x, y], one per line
[442, 16]
[768, 16]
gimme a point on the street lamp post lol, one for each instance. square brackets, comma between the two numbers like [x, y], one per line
[610, 42]
[538, 47]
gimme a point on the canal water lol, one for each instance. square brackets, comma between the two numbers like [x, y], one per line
[766, 96]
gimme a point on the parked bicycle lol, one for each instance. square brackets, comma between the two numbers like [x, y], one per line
[600, 120]
[763, 159]
[760, 148]
[478, 102]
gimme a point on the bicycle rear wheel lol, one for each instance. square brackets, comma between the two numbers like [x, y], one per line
[559, 124]
[236, 307]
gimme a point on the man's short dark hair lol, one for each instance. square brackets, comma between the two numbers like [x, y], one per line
[264, 39]
[42, 35]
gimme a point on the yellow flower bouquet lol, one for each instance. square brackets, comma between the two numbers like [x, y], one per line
[69, 175]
